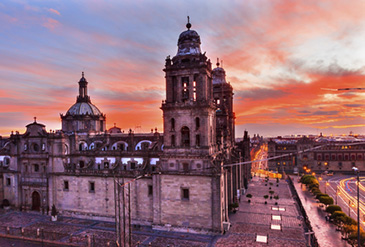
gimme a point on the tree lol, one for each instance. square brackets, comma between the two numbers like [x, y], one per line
[321, 194]
[338, 215]
[332, 208]
[316, 191]
[326, 200]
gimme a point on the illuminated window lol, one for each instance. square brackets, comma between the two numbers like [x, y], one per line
[185, 88]
[194, 90]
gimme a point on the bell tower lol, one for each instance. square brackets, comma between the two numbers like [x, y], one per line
[189, 110]
[189, 177]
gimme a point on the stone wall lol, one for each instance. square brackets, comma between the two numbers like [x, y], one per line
[174, 210]
[80, 201]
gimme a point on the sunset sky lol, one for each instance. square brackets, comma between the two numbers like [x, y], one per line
[278, 55]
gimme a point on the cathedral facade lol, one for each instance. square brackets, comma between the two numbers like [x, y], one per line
[181, 178]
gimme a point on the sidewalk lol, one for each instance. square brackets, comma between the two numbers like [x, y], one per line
[325, 232]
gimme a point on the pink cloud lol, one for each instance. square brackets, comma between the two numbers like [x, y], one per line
[54, 11]
[51, 23]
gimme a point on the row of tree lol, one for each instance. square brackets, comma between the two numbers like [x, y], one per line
[344, 223]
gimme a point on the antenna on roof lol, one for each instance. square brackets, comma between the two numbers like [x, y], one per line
[217, 62]
[35, 119]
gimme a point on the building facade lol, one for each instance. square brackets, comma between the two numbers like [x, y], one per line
[319, 154]
[178, 178]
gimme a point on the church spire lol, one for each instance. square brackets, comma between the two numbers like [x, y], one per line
[83, 97]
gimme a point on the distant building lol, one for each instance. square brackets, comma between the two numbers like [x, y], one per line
[318, 154]
[183, 185]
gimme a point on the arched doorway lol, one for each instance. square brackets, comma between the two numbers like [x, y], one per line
[36, 201]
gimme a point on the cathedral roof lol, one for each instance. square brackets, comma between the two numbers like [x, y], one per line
[189, 42]
[218, 75]
[83, 108]
[83, 105]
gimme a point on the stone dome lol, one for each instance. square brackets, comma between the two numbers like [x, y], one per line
[218, 75]
[189, 42]
[83, 108]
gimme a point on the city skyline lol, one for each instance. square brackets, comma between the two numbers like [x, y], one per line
[277, 56]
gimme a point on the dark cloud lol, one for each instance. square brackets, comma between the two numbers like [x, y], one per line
[324, 113]
[261, 94]
[304, 112]
[353, 105]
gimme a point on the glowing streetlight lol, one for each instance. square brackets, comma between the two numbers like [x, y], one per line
[325, 189]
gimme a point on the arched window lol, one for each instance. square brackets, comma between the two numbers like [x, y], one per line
[197, 123]
[82, 164]
[197, 140]
[173, 141]
[172, 124]
[35, 147]
[185, 137]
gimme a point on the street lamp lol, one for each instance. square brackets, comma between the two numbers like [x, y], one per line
[357, 171]
[325, 188]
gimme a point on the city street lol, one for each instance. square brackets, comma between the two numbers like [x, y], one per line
[325, 232]
[343, 190]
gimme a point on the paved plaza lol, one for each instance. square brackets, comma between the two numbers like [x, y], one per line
[279, 221]
[257, 218]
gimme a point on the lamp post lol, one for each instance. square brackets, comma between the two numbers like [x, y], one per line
[357, 171]
[325, 188]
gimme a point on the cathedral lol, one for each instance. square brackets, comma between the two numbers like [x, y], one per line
[180, 179]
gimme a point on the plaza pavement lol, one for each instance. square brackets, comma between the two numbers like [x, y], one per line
[251, 219]
[256, 218]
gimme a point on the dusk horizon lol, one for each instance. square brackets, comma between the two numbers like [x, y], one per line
[283, 60]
